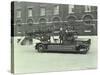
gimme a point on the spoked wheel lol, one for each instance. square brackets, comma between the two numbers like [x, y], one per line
[40, 48]
[83, 51]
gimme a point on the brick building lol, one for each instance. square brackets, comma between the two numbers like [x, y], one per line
[31, 17]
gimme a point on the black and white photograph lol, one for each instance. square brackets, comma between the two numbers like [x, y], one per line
[49, 37]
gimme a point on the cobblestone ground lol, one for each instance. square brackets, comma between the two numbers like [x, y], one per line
[28, 60]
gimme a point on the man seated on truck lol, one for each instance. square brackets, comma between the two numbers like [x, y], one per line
[68, 36]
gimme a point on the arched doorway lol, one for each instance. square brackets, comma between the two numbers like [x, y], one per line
[42, 24]
[90, 27]
[19, 27]
[87, 19]
[29, 26]
[71, 19]
[56, 23]
[18, 22]
[71, 22]
[29, 21]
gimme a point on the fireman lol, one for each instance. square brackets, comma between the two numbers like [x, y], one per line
[61, 33]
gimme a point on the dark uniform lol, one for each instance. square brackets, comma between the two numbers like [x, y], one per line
[61, 36]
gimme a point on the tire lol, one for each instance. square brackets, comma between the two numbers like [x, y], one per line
[40, 48]
[82, 49]
[83, 52]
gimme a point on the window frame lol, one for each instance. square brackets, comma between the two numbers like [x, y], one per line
[87, 8]
[70, 9]
[56, 10]
[18, 13]
[42, 11]
[28, 13]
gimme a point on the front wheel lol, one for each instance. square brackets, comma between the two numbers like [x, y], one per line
[83, 51]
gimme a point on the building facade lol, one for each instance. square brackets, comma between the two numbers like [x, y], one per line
[31, 17]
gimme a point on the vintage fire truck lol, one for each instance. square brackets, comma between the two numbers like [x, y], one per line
[63, 41]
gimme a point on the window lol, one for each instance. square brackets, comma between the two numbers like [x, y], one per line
[71, 7]
[87, 8]
[56, 10]
[18, 13]
[42, 12]
[30, 12]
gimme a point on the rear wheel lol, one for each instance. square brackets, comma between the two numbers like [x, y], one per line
[40, 47]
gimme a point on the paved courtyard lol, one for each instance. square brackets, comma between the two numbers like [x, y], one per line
[28, 60]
